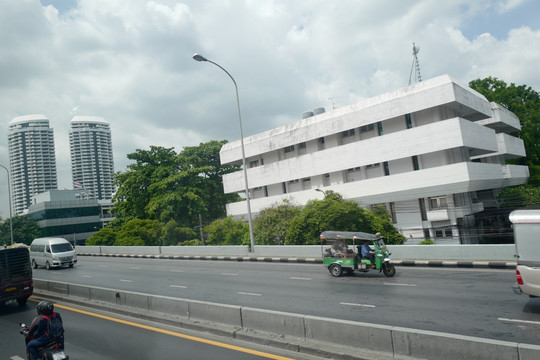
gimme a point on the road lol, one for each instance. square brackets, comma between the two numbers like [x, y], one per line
[473, 302]
[92, 335]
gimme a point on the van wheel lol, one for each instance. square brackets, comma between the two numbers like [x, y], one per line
[48, 266]
[22, 301]
[34, 265]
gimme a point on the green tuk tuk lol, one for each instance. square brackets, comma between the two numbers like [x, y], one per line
[338, 257]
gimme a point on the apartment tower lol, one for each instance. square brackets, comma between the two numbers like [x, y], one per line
[92, 164]
[31, 158]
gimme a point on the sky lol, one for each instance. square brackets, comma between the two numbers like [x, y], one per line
[130, 62]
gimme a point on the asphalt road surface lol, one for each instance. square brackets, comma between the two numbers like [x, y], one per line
[473, 302]
[92, 335]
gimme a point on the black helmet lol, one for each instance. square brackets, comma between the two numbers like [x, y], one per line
[45, 308]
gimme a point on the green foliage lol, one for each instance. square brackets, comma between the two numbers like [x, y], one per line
[139, 233]
[165, 186]
[193, 242]
[524, 102]
[226, 231]
[519, 196]
[105, 237]
[25, 229]
[426, 242]
[271, 225]
[383, 223]
[174, 234]
[334, 213]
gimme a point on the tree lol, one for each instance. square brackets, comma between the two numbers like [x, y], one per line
[138, 232]
[173, 234]
[227, 231]
[133, 194]
[524, 102]
[272, 224]
[105, 237]
[519, 196]
[331, 213]
[25, 230]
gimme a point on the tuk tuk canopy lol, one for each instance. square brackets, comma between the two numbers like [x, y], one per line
[338, 235]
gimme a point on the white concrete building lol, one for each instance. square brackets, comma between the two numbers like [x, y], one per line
[434, 153]
[32, 159]
[92, 165]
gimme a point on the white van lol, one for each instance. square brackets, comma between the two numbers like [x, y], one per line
[52, 252]
[526, 224]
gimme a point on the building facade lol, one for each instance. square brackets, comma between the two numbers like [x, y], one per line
[32, 159]
[62, 213]
[92, 163]
[433, 153]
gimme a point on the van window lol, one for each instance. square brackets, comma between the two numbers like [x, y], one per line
[58, 248]
[48, 249]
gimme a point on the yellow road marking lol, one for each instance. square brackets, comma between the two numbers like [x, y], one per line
[179, 335]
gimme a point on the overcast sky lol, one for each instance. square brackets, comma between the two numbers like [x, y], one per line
[130, 62]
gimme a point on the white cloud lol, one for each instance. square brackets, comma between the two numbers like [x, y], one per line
[130, 63]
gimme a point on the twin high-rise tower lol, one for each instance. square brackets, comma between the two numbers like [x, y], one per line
[32, 158]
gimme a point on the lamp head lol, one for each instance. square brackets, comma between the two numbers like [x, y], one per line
[199, 58]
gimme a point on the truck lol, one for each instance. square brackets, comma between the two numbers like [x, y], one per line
[15, 275]
[526, 225]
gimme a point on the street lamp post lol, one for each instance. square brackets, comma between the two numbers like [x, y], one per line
[200, 58]
[321, 190]
[9, 200]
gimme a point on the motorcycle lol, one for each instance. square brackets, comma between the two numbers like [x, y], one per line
[51, 351]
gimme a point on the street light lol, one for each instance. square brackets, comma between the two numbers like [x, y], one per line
[321, 190]
[200, 58]
[9, 200]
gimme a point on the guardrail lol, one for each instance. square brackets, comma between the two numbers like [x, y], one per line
[302, 333]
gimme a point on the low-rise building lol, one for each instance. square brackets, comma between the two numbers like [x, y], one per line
[433, 153]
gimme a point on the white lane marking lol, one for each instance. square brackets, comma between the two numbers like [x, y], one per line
[299, 278]
[392, 284]
[126, 280]
[521, 321]
[178, 286]
[16, 358]
[135, 268]
[174, 270]
[250, 294]
[229, 274]
[360, 305]
[87, 276]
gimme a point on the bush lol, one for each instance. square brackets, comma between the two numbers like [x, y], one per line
[427, 242]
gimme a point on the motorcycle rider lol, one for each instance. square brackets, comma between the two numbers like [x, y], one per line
[45, 310]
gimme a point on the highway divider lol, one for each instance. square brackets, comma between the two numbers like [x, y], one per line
[339, 339]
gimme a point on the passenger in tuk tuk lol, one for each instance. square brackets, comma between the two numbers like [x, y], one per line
[340, 249]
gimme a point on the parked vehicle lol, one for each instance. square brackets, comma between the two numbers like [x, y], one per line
[15, 276]
[52, 252]
[338, 257]
[526, 224]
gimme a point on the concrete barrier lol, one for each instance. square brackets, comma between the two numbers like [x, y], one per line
[308, 334]
[504, 252]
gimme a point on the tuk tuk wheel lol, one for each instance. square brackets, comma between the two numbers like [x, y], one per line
[389, 270]
[336, 270]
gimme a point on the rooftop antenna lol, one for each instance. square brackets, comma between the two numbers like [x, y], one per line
[332, 100]
[415, 65]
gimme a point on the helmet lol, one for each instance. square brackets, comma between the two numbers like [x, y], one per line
[45, 308]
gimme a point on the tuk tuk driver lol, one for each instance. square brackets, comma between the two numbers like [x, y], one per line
[367, 253]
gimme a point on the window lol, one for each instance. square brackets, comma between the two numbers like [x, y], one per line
[386, 168]
[254, 163]
[302, 145]
[348, 133]
[289, 149]
[426, 234]
[367, 128]
[379, 128]
[373, 166]
[415, 163]
[353, 169]
[438, 203]
[408, 121]
[443, 233]
[393, 212]
[423, 211]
